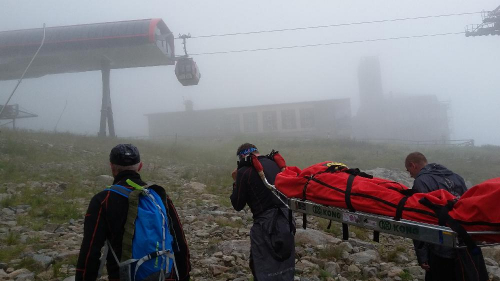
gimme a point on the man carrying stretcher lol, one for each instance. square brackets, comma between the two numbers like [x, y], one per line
[440, 263]
[272, 246]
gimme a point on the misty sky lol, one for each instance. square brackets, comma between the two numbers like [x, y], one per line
[455, 68]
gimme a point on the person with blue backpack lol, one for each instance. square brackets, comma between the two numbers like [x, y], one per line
[135, 226]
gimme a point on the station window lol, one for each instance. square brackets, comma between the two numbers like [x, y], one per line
[269, 121]
[250, 124]
[288, 120]
[232, 123]
[307, 118]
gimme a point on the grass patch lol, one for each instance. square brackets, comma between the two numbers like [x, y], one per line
[354, 276]
[33, 240]
[361, 233]
[30, 264]
[222, 222]
[11, 252]
[8, 202]
[62, 211]
[12, 239]
[331, 252]
[323, 274]
[56, 208]
[405, 275]
[225, 201]
[36, 224]
[56, 154]
[187, 175]
[335, 228]
[36, 244]
[222, 192]
[391, 254]
[57, 267]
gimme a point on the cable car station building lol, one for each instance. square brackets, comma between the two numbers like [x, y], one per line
[325, 118]
[93, 47]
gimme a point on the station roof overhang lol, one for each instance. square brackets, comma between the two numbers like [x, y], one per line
[80, 48]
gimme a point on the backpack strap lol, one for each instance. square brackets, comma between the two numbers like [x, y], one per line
[119, 189]
[125, 191]
[151, 256]
[129, 227]
[133, 204]
[138, 262]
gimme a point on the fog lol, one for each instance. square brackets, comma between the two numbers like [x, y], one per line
[461, 70]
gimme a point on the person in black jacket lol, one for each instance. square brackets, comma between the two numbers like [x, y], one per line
[440, 263]
[272, 245]
[107, 214]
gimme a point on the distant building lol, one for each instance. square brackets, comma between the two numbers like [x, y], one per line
[371, 93]
[411, 118]
[401, 118]
[325, 118]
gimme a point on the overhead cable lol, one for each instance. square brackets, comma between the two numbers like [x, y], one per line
[333, 25]
[329, 44]
[25, 70]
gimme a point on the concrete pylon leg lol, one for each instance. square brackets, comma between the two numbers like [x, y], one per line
[106, 111]
[111, 124]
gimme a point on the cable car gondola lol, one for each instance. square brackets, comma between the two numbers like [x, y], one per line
[187, 71]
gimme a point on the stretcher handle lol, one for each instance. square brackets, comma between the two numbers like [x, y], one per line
[260, 170]
[483, 232]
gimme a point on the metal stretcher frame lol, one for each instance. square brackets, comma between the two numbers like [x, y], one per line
[434, 234]
[429, 233]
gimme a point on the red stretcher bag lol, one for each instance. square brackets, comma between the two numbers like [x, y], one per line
[333, 184]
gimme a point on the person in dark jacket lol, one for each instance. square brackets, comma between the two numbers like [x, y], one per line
[272, 244]
[440, 263]
[107, 214]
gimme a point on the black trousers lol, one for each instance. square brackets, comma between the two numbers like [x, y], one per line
[252, 267]
[272, 246]
[442, 269]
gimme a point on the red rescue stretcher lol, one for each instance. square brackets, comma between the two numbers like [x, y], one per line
[331, 190]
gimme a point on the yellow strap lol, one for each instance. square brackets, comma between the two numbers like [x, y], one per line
[134, 185]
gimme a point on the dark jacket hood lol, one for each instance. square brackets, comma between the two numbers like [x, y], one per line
[435, 169]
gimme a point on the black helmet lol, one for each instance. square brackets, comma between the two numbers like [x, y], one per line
[124, 155]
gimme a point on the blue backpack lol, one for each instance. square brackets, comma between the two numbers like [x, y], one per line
[147, 252]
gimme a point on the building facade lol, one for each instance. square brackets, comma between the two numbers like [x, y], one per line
[396, 117]
[325, 118]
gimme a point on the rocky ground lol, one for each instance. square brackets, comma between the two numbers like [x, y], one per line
[218, 239]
